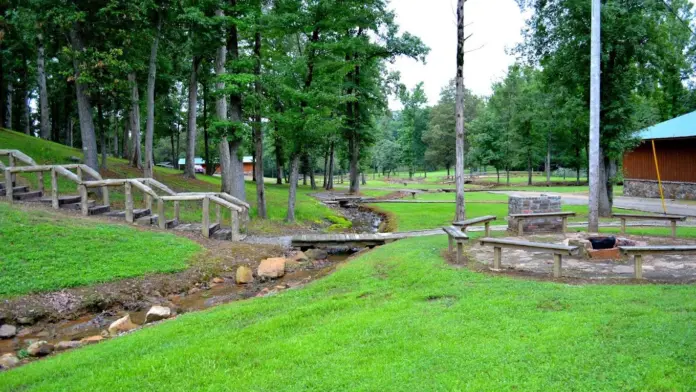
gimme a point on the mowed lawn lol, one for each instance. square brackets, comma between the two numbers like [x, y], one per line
[45, 251]
[400, 319]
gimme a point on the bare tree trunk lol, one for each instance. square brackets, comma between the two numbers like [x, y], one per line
[150, 121]
[43, 90]
[102, 131]
[595, 172]
[235, 141]
[548, 161]
[278, 156]
[292, 196]
[70, 131]
[84, 106]
[114, 125]
[326, 167]
[125, 151]
[175, 161]
[27, 111]
[3, 91]
[529, 167]
[221, 114]
[8, 104]
[258, 134]
[460, 131]
[363, 181]
[209, 167]
[190, 169]
[330, 182]
[134, 116]
[607, 171]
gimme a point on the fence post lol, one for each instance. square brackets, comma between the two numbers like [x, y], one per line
[129, 202]
[54, 189]
[234, 217]
[105, 195]
[206, 217]
[11, 164]
[40, 182]
[83, 200]
[9, 185]
[218, 214]
[177, 211]
[161, 219]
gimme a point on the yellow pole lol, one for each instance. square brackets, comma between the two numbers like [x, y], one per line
[659, 181]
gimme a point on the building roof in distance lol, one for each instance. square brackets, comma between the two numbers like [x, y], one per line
[196, 161]
[682, 126]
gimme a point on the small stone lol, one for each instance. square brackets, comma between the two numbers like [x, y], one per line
[157, 313]
[124, 324]
[218, 280]
[7, 331]
[193, 290]
[40, 349]
[92, 339]
[244, 275]
[300, 256]
[68, 344]
[271, 268]
[8, 361]
[317, 254]
[25, 320]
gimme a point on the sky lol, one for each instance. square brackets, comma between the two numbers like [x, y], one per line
[495, 24]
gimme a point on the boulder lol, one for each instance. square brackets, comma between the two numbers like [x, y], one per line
[92, 339]
[8, 361]
[157, 313]
[244, 275]
[271, 268]
[317, 254]
[68, 344]
[40, 348]
[124, 324]
[7, 331]
[300, 256]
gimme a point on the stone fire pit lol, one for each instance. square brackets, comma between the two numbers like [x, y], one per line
[600, 247]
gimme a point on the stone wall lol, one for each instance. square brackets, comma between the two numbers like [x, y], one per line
[535, 205]
[651, 189]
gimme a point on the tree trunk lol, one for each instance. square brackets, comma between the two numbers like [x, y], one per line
[330, 182]
[114, 125]
[312, 181]
[43, 90]
[3, 91]
[9, 104]
[548, 161]
[529, 168]
[209, 167]
[258, 134]
[363, 181]
[497, 172]
[190, 169]
[607, 171]
[175, 161]
[221, 114]
[84, 106]
[125, 151]
[460, 131]
[150, 121]
[27, 110]
[134, 117]
[294, 174]
[70, 131]
[102, 130]
[326, 167]
[235, 140]
[278, 156]
[595, 171]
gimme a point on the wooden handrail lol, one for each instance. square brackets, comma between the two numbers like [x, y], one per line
[20, 156]
[144, 188]
[63, 171]
[156, 184]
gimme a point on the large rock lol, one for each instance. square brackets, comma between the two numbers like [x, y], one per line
[300, 256]
[157, 313]
[68, 344]
[40, 349]
[92, 339]
[8, 361]
[244, 275]
[317, 254]
[124, 324]
[7, 331]
[271, 268]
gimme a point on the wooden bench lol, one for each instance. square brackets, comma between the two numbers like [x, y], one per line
[638, 251]
[557, 250]
[521, 217]
[456, 235]
[672, 218]
[486, 220]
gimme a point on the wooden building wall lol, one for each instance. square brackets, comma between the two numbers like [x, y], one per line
[676, 158]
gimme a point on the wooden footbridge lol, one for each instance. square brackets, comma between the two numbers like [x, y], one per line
[307, 241]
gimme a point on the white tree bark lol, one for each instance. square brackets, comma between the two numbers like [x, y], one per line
[190, 169]
[594, 169]
[43, 90]
[460, 131]
[221, 114]
[134, 118]
[150, 121]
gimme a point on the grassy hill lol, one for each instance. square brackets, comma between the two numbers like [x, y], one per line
[308, 210]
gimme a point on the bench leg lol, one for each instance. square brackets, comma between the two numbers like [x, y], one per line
[674, 229]
[497, 255]
[488, 229]
[460, 252]
[557, 264]
[450, 246]
[623, 225]
[565, 224]
[638, 266]
[520, 227]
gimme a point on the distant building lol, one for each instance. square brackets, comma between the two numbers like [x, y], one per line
[675, 144]
[198, 161]
[248, 162]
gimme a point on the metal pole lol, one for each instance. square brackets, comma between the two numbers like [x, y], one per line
[593, 218]
[659, 180]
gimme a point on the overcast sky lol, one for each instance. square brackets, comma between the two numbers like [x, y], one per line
[495, 24]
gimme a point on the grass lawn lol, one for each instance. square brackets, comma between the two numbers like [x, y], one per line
[308, 210]
[44, 251]
[400, 319]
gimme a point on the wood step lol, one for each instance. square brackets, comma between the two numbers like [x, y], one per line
[154, 220]
[27, 195]
[137, 213]
[97, 210]
[222, 235]
[213, 228]
[77, 206]
[2, 185]
[62, 200]
[15, 190]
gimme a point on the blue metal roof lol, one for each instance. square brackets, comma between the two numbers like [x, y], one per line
[682, 126]
[196, 161]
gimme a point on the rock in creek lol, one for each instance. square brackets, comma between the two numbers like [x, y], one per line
[40, 349]
[7, 331]
[157, 313]
[244, 275]
[92, 339]
[68, 344]
[124, 324]
[8, 361]
[300, 256]
[317, 254]
[271, 268]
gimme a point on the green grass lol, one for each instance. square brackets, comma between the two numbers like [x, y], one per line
[308, 210]
[44, 251]
[400, 319]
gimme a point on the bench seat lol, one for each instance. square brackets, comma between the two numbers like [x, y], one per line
[456, 235]
[638, 251]
[521, 217]
[557, 250]
[486, 220]
[672, 218]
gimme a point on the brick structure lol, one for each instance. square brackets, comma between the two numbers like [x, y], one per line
[536, 205]
[649, 188]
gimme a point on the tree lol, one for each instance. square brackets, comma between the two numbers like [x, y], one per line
[459, 113]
